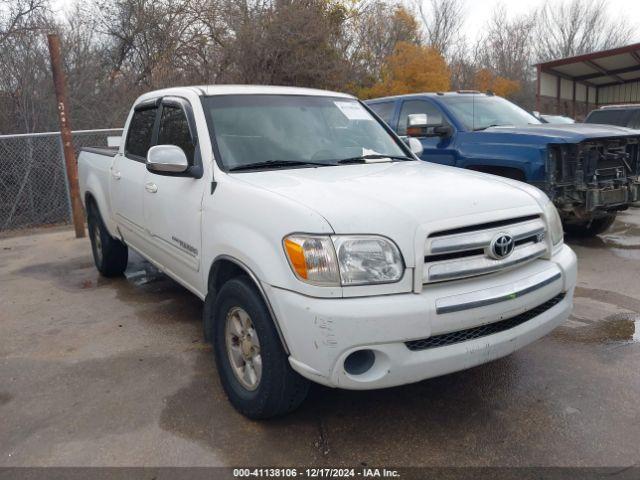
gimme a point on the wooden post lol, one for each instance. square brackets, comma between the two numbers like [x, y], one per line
[586, 100]
[573, 102]
[59, 83]
[538, 80]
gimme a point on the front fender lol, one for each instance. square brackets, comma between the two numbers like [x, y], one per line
[248, 224]
[530, 159]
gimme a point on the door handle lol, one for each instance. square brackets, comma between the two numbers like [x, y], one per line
[151, 187]
[116, 175]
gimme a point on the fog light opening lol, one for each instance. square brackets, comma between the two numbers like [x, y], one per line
[359, 362]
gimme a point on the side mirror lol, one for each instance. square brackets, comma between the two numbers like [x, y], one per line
[417, 124]
[444, 131]
[167, 159]
[415, 146]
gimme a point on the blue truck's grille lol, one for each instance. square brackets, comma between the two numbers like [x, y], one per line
[483, 330]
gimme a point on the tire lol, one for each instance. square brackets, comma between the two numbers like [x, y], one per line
[592, 228]
[277, 389]
[109, 254]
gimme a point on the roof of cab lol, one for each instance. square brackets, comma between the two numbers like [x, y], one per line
[431, 94]
[267, 89]
[207, 90]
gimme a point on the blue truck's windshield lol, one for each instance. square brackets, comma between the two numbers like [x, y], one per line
[478, 112]
[283, 129]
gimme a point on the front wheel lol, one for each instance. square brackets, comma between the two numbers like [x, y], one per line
[253, 367]
[591, 228]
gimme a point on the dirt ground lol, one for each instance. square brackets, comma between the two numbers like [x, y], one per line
[114, 372]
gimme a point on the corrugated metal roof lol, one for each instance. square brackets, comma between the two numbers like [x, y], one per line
[608, 67]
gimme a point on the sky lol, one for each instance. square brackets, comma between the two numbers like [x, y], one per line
[479, 11]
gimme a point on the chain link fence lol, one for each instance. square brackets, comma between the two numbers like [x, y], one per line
[33, 183]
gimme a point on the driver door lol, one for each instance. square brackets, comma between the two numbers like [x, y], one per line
[173, 202]
[436, 149]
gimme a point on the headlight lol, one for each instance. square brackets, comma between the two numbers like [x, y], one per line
[344, 259]
[367, 259]
[554, 223]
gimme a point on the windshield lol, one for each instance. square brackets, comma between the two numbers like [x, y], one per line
[614, 116]
[478, 112]
[286, 130]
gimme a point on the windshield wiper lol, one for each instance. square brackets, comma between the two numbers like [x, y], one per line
[372, 156]
[278, 164]
[492, 125]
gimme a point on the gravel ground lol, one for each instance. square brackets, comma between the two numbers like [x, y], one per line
[97, 372]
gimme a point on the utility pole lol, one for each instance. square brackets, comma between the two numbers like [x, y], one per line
[59, 83]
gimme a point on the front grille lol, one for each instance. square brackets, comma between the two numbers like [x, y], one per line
[464, 252]
[483, 330]
[594, 162]
[484, 226]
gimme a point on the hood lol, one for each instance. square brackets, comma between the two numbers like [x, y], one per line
[551, 133]
[395, 199]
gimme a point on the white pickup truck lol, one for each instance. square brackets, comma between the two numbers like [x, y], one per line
[323, 249]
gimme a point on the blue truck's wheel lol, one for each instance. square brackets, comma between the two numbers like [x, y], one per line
[592, 228]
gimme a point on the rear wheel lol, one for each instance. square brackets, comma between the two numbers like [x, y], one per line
[109, 254]
[253, 367]
[591, 228]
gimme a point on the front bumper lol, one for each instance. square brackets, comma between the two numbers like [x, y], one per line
[321, 333]
[604, 198]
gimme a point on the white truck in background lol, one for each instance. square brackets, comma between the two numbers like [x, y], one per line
[322, 248]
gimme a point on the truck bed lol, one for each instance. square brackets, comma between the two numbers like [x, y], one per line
[107, 151]
[94, 175]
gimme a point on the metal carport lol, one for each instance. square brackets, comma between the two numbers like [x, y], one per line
[576, 85]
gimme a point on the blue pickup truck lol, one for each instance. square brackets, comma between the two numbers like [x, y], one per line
[589, 171]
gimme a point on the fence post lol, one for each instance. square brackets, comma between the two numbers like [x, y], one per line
[65, 133]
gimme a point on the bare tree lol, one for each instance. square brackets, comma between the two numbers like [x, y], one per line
[374, 32]
[506, 50]
[443, 21]
[19, 16]
[24, 71]
[287, 42]
[25, 81]
[580, 26]
[506, 46]
[146, 37]
[462, 66]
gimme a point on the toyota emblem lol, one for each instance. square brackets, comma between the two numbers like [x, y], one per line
[501, 246]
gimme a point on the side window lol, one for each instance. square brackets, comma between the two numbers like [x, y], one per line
[614, 116]
[140, 131]
[174, 130]
[635, 120]
[384, 110]
[409, 107]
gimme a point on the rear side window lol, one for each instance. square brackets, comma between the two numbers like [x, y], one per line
[384, 110]
[409, 107]
[635, 120]
[618, 117]
[174, 130]
[140, 132]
